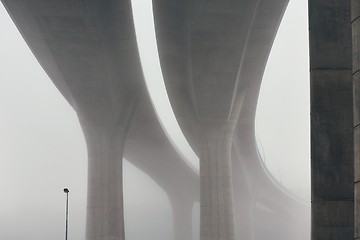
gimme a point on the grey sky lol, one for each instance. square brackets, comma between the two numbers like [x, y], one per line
[42, 149]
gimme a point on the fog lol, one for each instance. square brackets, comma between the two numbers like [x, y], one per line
[42, 149]
[283, 113]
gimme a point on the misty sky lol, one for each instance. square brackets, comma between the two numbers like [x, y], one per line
[42, 149]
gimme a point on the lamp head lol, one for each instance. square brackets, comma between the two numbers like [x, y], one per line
[66, 190]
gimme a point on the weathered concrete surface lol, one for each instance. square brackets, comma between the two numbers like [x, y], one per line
[331, 120]
[88, 48]
[355, 16]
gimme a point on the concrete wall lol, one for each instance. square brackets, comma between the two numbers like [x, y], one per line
[331, 120]
[355, 14]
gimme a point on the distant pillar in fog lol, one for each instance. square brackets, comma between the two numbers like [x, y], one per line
[331, 120]
[182, 216]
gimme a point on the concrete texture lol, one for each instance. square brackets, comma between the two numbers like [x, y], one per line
[355, 14]
[331, 120]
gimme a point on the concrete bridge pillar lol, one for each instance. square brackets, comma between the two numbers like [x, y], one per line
[355, 19]
[217, 219]
[244, 196]
[105, 214]
[182, 217]
[331, 120]
[245, 221]
[105, 140]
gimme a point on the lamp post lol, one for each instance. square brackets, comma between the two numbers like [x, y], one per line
[67, 211]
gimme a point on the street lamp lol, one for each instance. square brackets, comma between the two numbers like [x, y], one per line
[67, 211]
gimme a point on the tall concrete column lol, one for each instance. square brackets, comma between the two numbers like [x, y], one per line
[331, 120]
[210, 53]
[243, 197]
[105, 136]
[182, 216]
[217, 219]
[148, 148]
[355, 19]
[245, 221]
[105, 219]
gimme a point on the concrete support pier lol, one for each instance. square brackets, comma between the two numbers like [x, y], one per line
[331, 120]
[200, 46]
[105, 215]
[148, 148]
[355, 19]
[181, 207]
[217, 220]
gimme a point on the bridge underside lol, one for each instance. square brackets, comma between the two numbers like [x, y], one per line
[213, 75]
